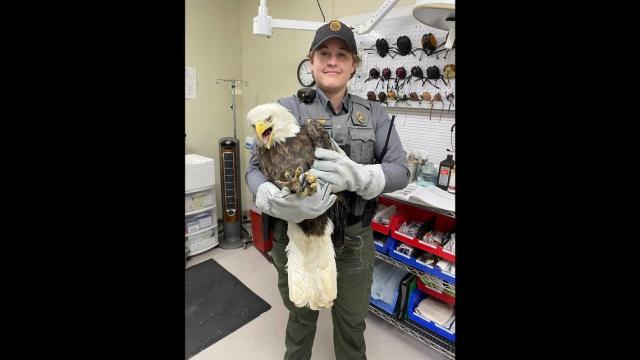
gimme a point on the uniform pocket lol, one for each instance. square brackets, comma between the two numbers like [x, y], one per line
[357, 252]
[362, 141]
[278, 255]
[280, 242]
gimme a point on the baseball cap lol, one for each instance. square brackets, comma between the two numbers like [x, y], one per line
[334, 29]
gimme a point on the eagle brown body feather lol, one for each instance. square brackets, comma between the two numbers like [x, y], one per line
[299, 151]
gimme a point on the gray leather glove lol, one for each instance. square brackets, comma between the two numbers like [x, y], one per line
[288, 206]
[342, 173]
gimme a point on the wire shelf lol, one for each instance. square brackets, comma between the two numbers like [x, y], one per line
[440, 284]
[423, 335]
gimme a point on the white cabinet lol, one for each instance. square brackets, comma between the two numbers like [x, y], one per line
[200, 216]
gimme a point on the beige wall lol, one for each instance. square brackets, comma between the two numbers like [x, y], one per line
[212, 46]
[268, 64]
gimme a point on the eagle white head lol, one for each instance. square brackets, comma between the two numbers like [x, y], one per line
[273, 123]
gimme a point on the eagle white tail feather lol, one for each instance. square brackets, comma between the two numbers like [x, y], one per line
[311, 268]
[295, 274]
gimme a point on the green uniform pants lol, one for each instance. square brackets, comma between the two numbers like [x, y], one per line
[354, 263]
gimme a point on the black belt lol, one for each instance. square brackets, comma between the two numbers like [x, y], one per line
[353, 219]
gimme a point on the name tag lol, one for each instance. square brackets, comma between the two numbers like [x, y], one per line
[326, 123]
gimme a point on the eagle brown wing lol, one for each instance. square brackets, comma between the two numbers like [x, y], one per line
[338, 212]
[299, 151]
[318, 135]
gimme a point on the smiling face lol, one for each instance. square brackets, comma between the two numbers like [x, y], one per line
[332, 64]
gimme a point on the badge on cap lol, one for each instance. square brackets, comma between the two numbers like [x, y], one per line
[335, 25]
[360, 117]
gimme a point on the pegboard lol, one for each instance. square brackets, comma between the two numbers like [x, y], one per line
[415, 129]
[419, 126]
[434, 136]
[414, 30]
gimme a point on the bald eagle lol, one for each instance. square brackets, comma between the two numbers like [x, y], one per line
[285, 151]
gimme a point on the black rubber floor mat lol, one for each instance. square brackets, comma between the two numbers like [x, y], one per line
[216, 304]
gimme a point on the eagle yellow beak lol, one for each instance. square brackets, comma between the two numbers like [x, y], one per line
[261, 127]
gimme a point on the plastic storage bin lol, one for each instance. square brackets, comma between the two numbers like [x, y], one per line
[411, 260]
[378, 239]
[414, 299]
[199, 172]
[202, 241]
[388, 308]
[198, 222]
[199, 200]
[389, 212]
[442, 223]
[436, 292]
[200, 204]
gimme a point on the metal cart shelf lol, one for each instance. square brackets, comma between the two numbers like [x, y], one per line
[449, 288]
[419, 333]
[435, 341]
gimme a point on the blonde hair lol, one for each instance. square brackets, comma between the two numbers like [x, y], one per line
[356, 59]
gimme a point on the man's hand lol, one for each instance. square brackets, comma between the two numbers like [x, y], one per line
[288, 206]
[342, 173]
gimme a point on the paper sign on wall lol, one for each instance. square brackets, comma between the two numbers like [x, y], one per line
[190, 83]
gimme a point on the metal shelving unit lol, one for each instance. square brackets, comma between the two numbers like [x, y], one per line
[450, 288]
[419, 333]
[435, 341]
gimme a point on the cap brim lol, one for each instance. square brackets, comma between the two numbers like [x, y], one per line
[330, 37]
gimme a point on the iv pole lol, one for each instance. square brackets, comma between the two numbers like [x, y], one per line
[234, 83]
[233, 230]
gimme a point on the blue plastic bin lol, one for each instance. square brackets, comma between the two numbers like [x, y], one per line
[414, 299]
[392, 244]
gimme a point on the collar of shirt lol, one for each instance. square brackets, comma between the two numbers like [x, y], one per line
[324, 101]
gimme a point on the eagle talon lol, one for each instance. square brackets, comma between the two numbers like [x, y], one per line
[312, 188]
[290, 182]
[310, 183]
[310, 178]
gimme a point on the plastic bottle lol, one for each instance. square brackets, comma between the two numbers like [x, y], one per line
[427, 174]
[444, 172]
[452, 181]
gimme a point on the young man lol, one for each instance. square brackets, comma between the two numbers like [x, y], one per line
[360, 127]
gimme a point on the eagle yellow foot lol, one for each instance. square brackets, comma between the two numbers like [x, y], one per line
[292, 182]
[310, 185]
[302, 183]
